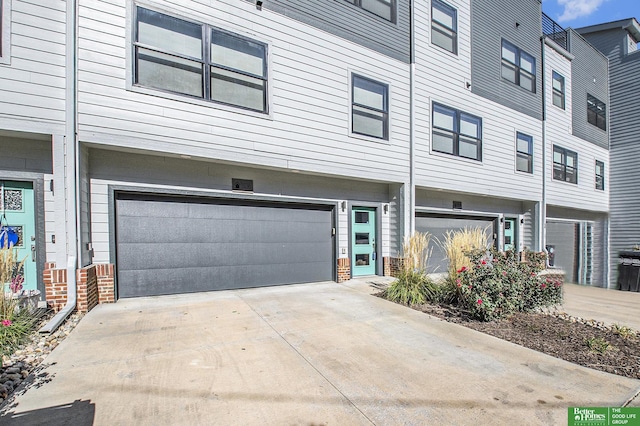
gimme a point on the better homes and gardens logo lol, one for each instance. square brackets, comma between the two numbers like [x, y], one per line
[589, 416]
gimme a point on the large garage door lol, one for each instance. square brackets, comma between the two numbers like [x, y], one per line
[168, 245]
[438, 225]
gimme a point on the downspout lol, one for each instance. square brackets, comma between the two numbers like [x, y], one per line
[412, 112]
[543, 207]
[71, 177]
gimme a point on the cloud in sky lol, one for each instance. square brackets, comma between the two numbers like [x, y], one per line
[574, 9]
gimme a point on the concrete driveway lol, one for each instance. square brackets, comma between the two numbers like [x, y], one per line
[313, 354]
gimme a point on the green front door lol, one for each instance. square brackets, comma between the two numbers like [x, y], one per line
[17, 206]
[510, 234]
[363, 241]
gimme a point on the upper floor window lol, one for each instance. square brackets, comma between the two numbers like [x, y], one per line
[596, 112]
[384, 8]
[456, 133]
[369, 107]
[198, 60]
[565, 165]
[518, 66]
[524, 153]
[558, 90]
[444, 26]
[599, 175]
[5, 16]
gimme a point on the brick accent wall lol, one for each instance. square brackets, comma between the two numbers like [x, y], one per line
[94, 285]
[391, 266]
[344, 269]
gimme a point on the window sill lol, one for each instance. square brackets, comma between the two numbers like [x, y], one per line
[370, 138]
[199, 102]
[455, 157]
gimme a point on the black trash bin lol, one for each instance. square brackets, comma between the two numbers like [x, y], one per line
[629, 271]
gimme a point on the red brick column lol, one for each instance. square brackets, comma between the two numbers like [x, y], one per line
[106, 283]
[391, 266]
[344, 269]
[55, 284]
[94, 285]
[87, 289]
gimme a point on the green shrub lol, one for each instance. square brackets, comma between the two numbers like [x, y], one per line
[497, 284]
[411, 288]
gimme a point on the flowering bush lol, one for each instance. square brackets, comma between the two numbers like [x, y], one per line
[498, 284]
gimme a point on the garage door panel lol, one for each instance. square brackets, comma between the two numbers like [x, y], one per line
[185, 255]
[166, 246]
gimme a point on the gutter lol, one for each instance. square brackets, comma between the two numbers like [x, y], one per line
[412, 113]
[543, 206]
[71, 177]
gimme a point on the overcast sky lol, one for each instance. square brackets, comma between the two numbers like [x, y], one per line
[581, 13]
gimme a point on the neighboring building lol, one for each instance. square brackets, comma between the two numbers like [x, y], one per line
[619, 42]
[232, 144]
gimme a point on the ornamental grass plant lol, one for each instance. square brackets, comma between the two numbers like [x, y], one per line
[457, 243]
[15, 323]
[412, 286]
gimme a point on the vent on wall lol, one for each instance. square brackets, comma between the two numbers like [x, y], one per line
[242, 185]
[457, 205]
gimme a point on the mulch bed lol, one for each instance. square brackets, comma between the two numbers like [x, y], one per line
[559, 335]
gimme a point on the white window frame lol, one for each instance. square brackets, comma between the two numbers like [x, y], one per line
[131, 61]
[5, 32]
[443, 29]
[387, 123]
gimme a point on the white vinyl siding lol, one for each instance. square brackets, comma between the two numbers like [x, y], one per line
[307, 128]
[383, 8]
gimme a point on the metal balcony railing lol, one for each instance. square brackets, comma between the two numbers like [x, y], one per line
[554, 31]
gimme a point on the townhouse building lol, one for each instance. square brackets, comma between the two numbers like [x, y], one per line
[175, 147]
[618, 41]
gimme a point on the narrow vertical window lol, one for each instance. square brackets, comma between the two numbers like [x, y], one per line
[599, 175]
[596, 112]
[518, 66]
[565, 165]
[444, 26]
[369, 107]
[558, 90]
[524, 153]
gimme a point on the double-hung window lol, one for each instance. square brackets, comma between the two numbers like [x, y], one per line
[524, 153]
[369, 107]
[383, 8]
[599, 175]
[456, 133]
[596, 112]
[444, 26]
[565, 165]
[518, 66]
[197, 60]
[558, 90]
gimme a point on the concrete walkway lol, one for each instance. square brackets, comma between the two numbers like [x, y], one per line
[310, 354]
[608, 306]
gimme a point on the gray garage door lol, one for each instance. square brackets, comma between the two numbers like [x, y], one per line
[438, 225]
[168, 245]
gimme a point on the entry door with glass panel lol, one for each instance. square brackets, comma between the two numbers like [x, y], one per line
[363, 241]
[17, 205]
[510, 234]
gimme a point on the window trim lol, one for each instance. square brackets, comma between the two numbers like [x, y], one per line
[565, 153]
[554, 91]
[529, 139]
[5, 32]
[598, 114]
[387, 97]
[439, 27]
[517, 66]
[393, 9]
[600, 183]
[456, 132]
[205, 62]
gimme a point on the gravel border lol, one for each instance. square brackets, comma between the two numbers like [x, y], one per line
[24, 361]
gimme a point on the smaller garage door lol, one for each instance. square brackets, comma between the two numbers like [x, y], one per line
[168, 245]
[563, 238]
[438, 225]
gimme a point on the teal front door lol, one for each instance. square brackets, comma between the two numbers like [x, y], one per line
[363, 241]
[17, 207]
[510, 234]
